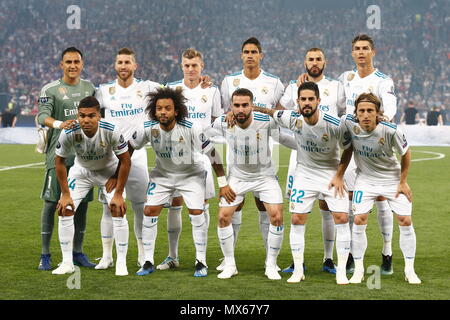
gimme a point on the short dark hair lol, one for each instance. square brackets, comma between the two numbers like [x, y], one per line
[177, 97]
[254, 41]
[242, 92]
[126, 51]
[71, 49]
[363, 37]
[309, 85]
[315, 50]
[89, 102]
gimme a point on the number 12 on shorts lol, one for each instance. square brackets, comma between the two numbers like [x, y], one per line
[296, 195]
[151, 187]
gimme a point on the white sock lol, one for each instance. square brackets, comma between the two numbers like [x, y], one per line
[343, 238]
[264, 224]
[207, 218]
[328, 234]
[386, 224]
[297, 241]
[138, 208]
[408, 245]
[226, 240]
[274, 242]
[359, 242]
[149, 233]
[66, 231]
[199, 233]
[174, 224]
[121, 234]
[107, 232]
[236, 222]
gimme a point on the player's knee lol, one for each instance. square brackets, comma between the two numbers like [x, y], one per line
[177, 202]
[340, 218]
[195, 212]
[151, 211]
[404, 221]
[360, 219]
[224, 220]
[298, 218]
[67, 213]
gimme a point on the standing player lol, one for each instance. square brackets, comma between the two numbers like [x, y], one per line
[267, 90]
[58, 103]
[203, 108]
[318, 136]
[178, 145]
[315, 64]
[366, 78]
[97, 145]
[124, 101]
[251, 169]
[379, 173]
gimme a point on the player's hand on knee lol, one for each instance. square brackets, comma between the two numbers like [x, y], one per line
[111, 183]
[205, 82]
[302, 78]
[339, 187]
[227, 193]
[118, 206]
[229, 118]
[65, 205]
[405, 189]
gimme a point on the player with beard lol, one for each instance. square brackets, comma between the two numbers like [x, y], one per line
[315, 64]
[318, 136]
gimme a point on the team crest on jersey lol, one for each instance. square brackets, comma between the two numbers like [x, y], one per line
[62, 90]
[102, 144]
[258, 136]
[112, 90]
[78, 137]
[298, 123]
[356, 130]
[204, 99]
[350, 77]
[121, 139]
[292, 206]
[155, 133]
[58, 145]
[236, 82]
[265, 90]
[202, 137]
[181, 139]
[381, 141]
[325, 138]
[134, 135]
[326, 92]
[139, 94]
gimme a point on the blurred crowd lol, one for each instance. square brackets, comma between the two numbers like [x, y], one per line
[412, 43]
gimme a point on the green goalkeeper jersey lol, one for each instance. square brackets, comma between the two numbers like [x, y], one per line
[60, 100]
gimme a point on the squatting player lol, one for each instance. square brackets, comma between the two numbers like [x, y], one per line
[379, 173]
[318, 136]
[267, 90]
[98, 147]
[251, 169]
[178, 145]
[58, 103]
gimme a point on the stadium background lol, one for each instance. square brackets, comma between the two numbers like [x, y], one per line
[412, 47]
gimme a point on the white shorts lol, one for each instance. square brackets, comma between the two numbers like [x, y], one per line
[81, 180]
[365, 195]
[303, 196]
[137, 183]
[350, 175]
[267, 189]
[161, 189]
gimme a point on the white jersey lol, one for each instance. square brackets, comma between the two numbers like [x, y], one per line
[249, 155]
[267, 89]
[178, 151]
[96, 153]
[125, 107]
[374, 152]
[202, 103]
[329, 96]
[377, 83]
[318, 145]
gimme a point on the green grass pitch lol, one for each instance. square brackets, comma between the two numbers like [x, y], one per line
[20, 246]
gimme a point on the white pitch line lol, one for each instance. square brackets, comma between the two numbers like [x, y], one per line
[22, 166]
[439, 156]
